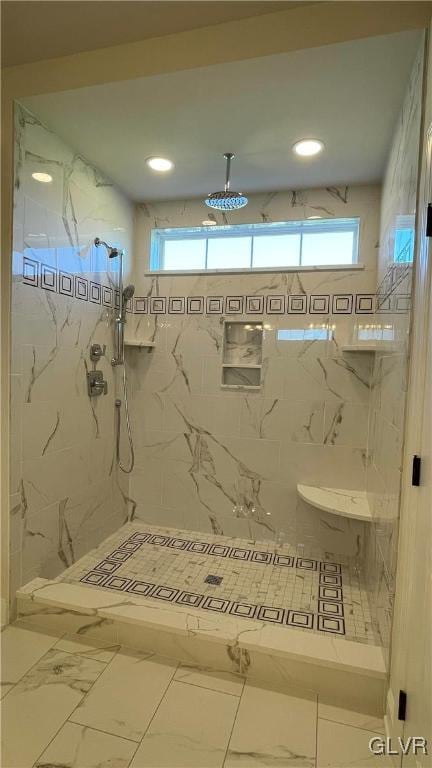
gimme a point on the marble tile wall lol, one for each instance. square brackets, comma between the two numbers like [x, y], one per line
[65, 492]
[228, 461]
[389, 382]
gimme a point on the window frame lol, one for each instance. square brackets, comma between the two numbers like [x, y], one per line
[159, 236]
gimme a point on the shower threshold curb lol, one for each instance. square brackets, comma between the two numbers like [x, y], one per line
[342, 671]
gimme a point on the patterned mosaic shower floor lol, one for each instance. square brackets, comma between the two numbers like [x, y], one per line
[249, 579]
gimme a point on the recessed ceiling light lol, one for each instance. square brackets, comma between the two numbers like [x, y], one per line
[308, 147]
[161, 164]
[208, 223]
[45, 178]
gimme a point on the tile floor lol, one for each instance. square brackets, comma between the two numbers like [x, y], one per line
[67, 704]
[311, 591]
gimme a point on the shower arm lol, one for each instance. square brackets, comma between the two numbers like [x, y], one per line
[228, 157]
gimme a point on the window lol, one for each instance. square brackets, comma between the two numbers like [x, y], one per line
[404, 240]
[320, 242]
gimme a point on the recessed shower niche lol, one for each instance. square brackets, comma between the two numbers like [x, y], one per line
[242, 354]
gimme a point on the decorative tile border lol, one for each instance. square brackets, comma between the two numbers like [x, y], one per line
[81, 288]
[107, 296]
[327, 570]
[329, 616]
[365, 303]
[140, 305]
[234, 305]
[49, 278]
[342, 304]
[30, 271]
[195, 305]
[254, 305]
[319, 305]
[95, 292]
[157, 305]
[66, 284]
[297, 305]
[214, 305]
[176, 305]
[275, 305]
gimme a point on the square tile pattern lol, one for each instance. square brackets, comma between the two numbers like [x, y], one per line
[44, 276]
[249, 579]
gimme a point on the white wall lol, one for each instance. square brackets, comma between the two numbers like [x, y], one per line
[65, 495]
[201, 449]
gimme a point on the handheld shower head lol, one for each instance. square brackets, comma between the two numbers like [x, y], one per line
[128, 292]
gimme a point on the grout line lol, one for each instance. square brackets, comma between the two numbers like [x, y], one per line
[115, 648]
[71, 713]
[156, 710]
[107, 664]
[233, 725]
[99, 730]
[351, 725]
[207, 688]
[316, 733]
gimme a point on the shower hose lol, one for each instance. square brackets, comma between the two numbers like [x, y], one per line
[128, 469]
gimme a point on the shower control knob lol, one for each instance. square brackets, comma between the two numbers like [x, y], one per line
[96, 352]
[96, 384]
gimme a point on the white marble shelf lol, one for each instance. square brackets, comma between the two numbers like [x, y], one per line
[377, 347]
[241, 387]
[140, 344]
[337, 501]
[241, 365]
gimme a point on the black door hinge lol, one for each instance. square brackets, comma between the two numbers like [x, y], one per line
[416, 470]
[402, 705]
[429, 221]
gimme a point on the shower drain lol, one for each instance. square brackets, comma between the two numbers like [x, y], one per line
[210, 579]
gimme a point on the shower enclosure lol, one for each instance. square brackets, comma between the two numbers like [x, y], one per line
[242, 469]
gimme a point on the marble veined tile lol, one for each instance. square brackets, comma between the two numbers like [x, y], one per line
[37, 707]
[206, 678]
[349, 717]
[80, 747]
[97, 650]
[127, 695]
[191, 729]
[21, 648]
[342, 746]
[273, 728]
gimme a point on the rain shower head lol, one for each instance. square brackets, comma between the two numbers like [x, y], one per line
[112, 251]
[227, 200]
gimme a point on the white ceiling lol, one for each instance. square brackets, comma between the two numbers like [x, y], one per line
[348, 95]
